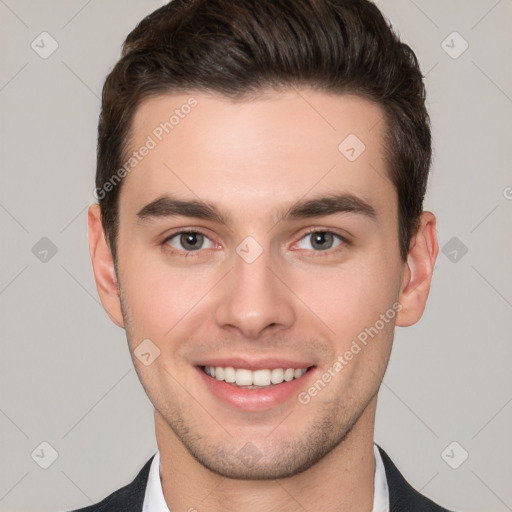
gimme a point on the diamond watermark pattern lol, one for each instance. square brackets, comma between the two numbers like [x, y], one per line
[44, 45]
[44, 250]
[249, 249]
[454, 45]
[454, 455]
[454, 249]
[146, 352]
[249, 454]
[352, 147]
[44, 455]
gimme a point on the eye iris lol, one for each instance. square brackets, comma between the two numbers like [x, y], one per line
[191, 241]
[322, 240]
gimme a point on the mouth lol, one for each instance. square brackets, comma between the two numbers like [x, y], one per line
[254, 379]
[260, 387]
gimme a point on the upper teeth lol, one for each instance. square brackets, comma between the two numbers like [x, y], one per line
[244, 377]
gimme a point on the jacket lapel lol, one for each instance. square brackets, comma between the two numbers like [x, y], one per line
[403, 497]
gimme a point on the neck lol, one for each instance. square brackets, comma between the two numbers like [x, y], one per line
[343, 480]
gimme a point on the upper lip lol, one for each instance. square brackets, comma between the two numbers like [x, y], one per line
[253, 364]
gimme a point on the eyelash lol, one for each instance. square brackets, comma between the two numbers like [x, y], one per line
[188, 254]
[327, 252]
[182, 253]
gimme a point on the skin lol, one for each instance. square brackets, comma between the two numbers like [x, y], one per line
[252, 159]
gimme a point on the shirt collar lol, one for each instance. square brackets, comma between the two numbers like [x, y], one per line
[380, 484]
[154, 498]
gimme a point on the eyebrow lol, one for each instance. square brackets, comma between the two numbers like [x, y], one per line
[169, 206]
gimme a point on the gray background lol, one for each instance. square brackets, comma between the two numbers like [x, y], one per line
[66, 375]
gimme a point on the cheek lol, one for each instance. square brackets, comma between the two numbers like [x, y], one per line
[158, 297]
[350, 298]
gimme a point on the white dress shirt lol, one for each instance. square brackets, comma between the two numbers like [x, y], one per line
[154, 498]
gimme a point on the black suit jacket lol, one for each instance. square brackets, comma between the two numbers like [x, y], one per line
[402, 497]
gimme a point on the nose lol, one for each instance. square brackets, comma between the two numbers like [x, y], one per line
[253, 299]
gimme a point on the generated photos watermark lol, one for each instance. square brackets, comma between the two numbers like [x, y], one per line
[357, 345]
[157, 135]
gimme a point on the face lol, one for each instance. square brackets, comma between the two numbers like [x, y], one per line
[256, 246]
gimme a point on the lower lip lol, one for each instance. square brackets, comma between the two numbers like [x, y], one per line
[255, 399]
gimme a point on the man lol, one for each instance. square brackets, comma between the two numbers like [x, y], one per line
[260, 233]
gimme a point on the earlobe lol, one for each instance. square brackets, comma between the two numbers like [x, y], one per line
[103, 266]
[418, 269]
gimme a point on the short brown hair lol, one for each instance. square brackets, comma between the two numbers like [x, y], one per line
[241, 47]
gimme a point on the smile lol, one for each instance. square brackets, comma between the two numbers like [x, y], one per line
[257, 379]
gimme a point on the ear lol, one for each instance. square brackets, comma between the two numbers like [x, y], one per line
[418, 269]
[103, 266]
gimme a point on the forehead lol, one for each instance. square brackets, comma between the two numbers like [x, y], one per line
[261, 152]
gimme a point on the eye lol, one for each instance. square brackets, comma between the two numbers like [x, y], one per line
[189, 241]
[320, 241]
